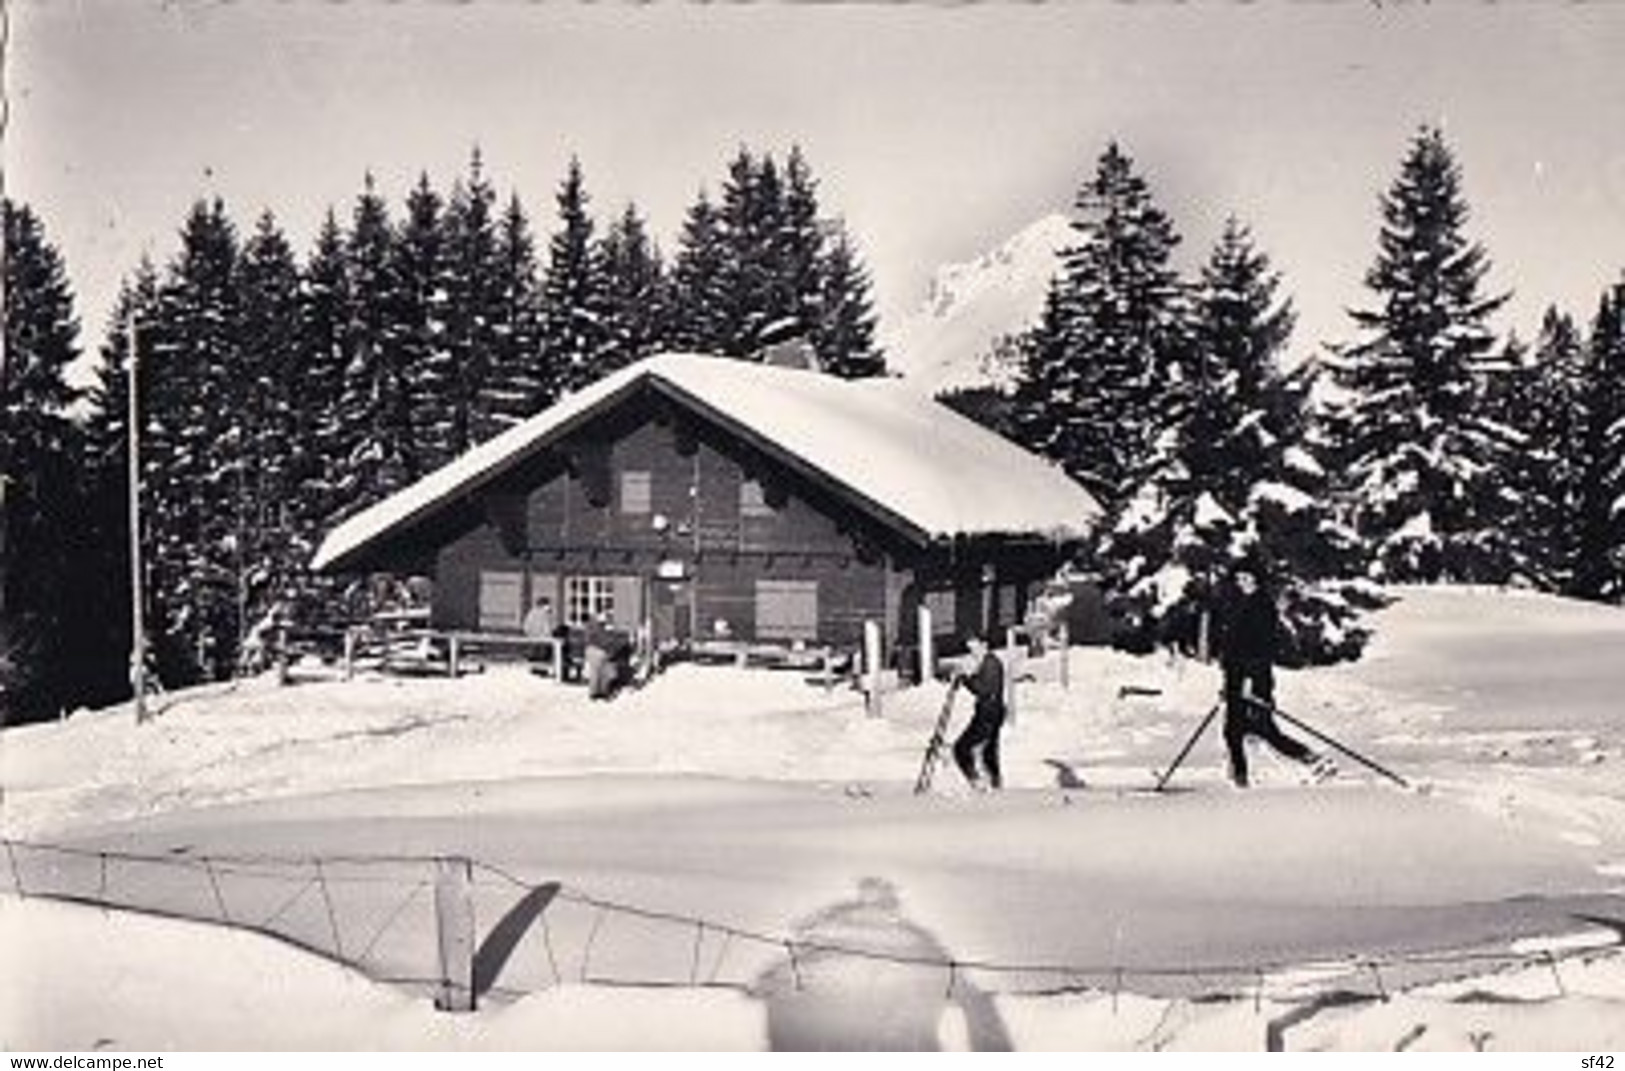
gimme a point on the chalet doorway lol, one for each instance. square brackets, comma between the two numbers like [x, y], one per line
[672, 617]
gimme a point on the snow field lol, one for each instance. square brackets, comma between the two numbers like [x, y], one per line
[161, 984]
[1522, 791]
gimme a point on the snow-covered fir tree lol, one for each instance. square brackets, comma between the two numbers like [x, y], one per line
[104, 648]
[1599, 473]
[762, 267]
[698, 302]
[1539, 395]
[1237, 479]
[473, 312]
[377, 420]
[574, 338]
[192, 436]
[420, 279]
[637, 303]
[843, 332]
[39, 486]
[1100, 370]
[760, 308]
[801, 249]
[271, 548]
[517, 385]
[1420, 460]
[319, 447]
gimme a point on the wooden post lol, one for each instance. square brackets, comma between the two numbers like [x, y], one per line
[1010, 653]
[928, 653]
[454, 656]
[558, 659]
[138, 634]
[828, 670]
[349, 654]
[1066, 656]
[454, 932]
[282, 655]
[871, 667]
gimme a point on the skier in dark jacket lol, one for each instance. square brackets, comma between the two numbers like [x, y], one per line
[1247, 634]
[986, 684]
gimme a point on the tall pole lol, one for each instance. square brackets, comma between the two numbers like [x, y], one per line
[138, 639]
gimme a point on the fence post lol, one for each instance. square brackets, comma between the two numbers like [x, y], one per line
[928, 653]
[454, 656]
[828, 673]
[1010, 652]
[349, 654]
[282, 655]
[16, 874]
[871, 667]
[1066, 656]
[454, 932]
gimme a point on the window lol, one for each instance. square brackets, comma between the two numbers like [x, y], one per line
[941, 605]
[634, 492]
[585, 597]
[501, 601]
[787, 610]
[753, 500]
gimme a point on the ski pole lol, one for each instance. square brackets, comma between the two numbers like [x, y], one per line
[1345, 749]
[1186, 750]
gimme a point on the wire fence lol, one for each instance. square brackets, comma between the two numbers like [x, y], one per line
[387, 917]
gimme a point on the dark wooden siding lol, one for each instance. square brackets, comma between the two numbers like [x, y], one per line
[457, 575]
[561, 514]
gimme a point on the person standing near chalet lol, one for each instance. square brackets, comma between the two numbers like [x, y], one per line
[1247, 634]
[600, 660]
[985, 682]
[539, 625]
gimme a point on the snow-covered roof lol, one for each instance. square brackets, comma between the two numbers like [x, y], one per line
[904, 456]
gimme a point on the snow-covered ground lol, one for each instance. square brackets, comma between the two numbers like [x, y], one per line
[773, 796]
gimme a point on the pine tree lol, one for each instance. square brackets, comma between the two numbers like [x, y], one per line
[424, 293]
[843, 329]
[380, 456]
[1103, 366]
[699, 303]
[519, 382]
[1236, 478]
[271, 387]
[1539, 394]
[1421, 462]
[803, 261]
[1599, 477]
[40, 492]
[102, 602]
[320, 443]
[635, 297]
[192, 438]
[743, 224]
[573, 336]
[473, 310]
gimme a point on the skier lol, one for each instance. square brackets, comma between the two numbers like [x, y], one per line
[986, 683]
[1247, 632]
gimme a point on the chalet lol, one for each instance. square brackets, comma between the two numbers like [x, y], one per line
[700, 496]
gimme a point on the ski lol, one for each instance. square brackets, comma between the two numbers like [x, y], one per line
[933, 750]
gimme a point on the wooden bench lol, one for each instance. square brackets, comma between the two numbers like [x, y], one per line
[455, 643]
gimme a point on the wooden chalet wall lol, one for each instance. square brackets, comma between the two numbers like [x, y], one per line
[689, 524]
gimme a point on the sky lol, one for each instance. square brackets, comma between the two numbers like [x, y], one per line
[936, 131]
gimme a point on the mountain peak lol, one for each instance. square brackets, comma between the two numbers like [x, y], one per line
[948, 341]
